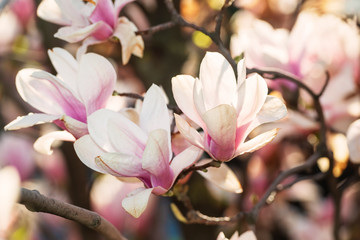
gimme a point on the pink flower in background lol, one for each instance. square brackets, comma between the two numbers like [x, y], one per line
[9, 194]
[226, 110]
[353, 139]
[123, 148]
[80, 88]
[24, 160]
[93, 21]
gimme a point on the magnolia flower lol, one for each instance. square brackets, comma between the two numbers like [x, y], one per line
[248, 235]
[227, 111]
[80, 88]
[93, 21]
[353, 139]
[123, 148]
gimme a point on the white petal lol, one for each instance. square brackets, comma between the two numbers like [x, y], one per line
[43, 143]
[30, 120]
[185, 159]
[256, 142]
[135, 203]
[248, 235]
[74, 34]
[223, 177]
[48, 10]
[353, 140]
[218, 80]
[75, 127]
[87, 151]
[119, 164]
[154, 113]
[189, 132]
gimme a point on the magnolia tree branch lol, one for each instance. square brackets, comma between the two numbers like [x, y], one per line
[36, 202]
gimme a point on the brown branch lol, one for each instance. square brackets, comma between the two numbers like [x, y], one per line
[36, 202]
[213, 163]
[130, 95]
[157, 28]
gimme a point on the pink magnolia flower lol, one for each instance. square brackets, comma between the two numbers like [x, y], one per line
[80, 88]
[353, 139]
[9, 194]
[248, 235]
[141, 149]
[226, 111]
[93, 21]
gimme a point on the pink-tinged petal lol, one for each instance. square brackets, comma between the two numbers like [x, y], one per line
[119, 164]
[156, 158]
[189, 132]
[74, 33]
[251, 97]
[75, 127]
[83, 48]
[104, 11]
[221, 127]
[76, 11]
[126, 137]
[87, 150]
[43, 144]
[218, 80]
[183, 90]
[185, 159]
[66, 66]
[105, 134]
[97, 78]
[135, 203]
[48, 10]
[222, 177]
[9, 194]
[30, 120]
[248, 235]
[154, 113]
[48, 94]
[119, 4]
[130, 43]
[272, 110]
[257, 142]
[353, 140]
[199, 101]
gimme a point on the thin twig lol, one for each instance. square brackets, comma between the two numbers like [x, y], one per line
[36, 202]
[130, 95]
[157, 28]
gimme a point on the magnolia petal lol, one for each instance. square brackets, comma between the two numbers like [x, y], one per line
[43, 144]
[199, 101]
[119, 164]
[75, 127]
[221, 127]
[185, 159]
[251, 97]
[97, 78]
[119, 4]
[223, 177]
[218, 80]
[30, 120]
[272, 110]
[183, 90]
[156, 156]
[87, 150]
[99, 129]
[248, 235]
[136, 202]
[130, 43]
[104, 11]
[154, 113]
[189, 132]
[66, 66]
[74, 34]
[9, 194]
[83, 48]
[353, 141]
[48, 10]
[241, 69]
[256, 142]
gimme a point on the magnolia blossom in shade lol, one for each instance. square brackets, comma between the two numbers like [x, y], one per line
[93, 21]
[248, 235]
[353, 140]
[9, 194]
[118, 146]
[226, 110]
[80, 88]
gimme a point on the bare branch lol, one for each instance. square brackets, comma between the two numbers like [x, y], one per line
[36, 202]
[157, 28]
